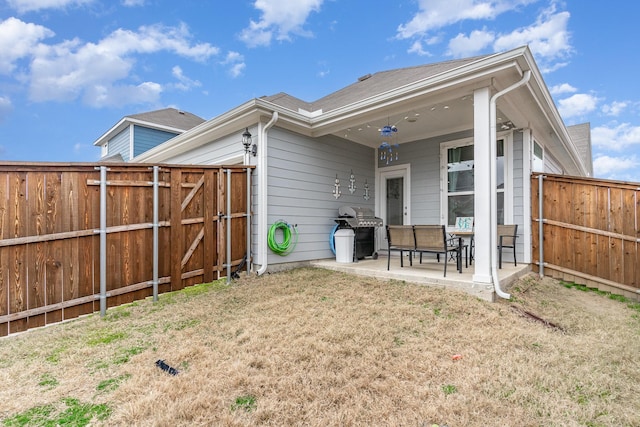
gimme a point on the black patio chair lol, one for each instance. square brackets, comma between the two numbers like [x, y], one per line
[507, 235]
[400, 238]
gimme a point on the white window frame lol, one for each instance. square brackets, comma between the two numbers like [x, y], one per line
[508, 181]
[537, 162]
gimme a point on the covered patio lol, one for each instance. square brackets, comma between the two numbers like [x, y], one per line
[429, 273]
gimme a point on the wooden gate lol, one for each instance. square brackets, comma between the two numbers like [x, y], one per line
[50, 234]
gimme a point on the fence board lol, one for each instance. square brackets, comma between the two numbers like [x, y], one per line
[35, 252]
[602, 231]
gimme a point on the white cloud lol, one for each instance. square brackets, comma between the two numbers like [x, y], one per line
[184, 82]
[548, 37]
[615, 137]
[5, 107]
[18, 39]
[562, 88]
[236, 63]
[417, 48]
[73, 69]
[280, 19]
[619, 168]
[23, 6]
[132, 3]
[577, 105]
[462, 46]
[117, 95]
[615, 108]
[237, 69]
[435, 14]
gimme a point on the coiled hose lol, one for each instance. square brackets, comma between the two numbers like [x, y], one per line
[332, 238]
[289, 238]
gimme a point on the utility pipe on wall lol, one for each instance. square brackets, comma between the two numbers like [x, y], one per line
[262, 214]
[492, 182]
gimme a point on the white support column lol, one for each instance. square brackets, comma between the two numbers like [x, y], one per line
[482, 185]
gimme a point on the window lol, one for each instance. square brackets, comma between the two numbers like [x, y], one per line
[460, 182]
[538, 158]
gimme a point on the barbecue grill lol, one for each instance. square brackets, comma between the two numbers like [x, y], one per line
[364, 223]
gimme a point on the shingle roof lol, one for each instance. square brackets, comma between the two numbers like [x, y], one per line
[170, 117]
[369, 85]
[581, 137]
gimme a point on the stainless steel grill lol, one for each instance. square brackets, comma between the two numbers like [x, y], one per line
[364, 223]
[359, 217]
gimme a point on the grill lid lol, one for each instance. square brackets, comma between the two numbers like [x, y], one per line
[358, 217]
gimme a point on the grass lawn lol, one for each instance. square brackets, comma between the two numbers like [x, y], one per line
[311, 347]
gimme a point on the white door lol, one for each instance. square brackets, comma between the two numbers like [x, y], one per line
[392, 201]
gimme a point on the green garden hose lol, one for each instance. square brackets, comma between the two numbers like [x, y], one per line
[286, 246]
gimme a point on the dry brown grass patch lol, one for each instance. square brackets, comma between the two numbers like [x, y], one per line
[319, 348]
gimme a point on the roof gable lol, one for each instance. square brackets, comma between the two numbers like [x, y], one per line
[369, 85]
[581, 136]
[169, 117]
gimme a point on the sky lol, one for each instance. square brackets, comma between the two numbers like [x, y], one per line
[71, 69]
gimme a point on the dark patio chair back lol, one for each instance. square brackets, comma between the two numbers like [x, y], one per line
[507, 234]
[400, 238]
[430, 236]
[433, 239]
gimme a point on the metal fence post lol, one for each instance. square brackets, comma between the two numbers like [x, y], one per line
[540, 228]
[155, 233]
[248, 251]
[103, 240]
[228, 216]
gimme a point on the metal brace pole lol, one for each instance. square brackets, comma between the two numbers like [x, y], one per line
[103, 240]
[248, 255]
[540, 227]
[228, 216]
[155, 233]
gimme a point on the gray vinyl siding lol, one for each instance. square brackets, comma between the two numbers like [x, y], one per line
[119, 144]
[301, 175]
[213, 153]
[145, 139]
[519, 214]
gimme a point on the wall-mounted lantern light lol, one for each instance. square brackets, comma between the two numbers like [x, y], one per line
[246, 142]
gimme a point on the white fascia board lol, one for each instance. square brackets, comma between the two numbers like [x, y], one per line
[545, 102]
[245, 115]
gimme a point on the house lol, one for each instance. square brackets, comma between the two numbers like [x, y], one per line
[135, 134]
[418, 145]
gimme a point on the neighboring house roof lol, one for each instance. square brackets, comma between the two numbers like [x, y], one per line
[581, 137]
[116, 158]
[167, 119]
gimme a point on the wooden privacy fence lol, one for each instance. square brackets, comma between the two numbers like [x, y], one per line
[75, 238]
[590, 231]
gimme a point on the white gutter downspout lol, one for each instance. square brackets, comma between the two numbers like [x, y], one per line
[492, 182]
[262, 211]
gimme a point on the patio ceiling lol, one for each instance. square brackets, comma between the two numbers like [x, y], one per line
[422, 122]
